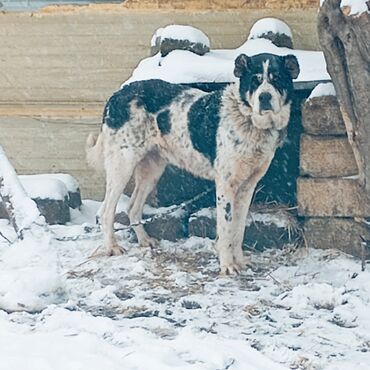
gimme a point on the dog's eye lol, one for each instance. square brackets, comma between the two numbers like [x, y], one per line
[273, 77]
[256, 79]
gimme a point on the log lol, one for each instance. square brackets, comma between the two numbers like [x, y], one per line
[322, 116]
[339, 233]
[326, 156]
[331, 197]
[344, 39]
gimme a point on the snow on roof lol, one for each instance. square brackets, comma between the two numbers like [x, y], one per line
[179, 32]
[323, 89]
[43, 187]
[217, 65]
[265, 25]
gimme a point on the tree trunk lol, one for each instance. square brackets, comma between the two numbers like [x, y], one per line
[345, 41]
[22, 210]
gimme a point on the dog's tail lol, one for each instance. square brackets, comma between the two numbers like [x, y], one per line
[94, 151]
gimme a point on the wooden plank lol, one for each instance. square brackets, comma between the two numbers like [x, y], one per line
[331, 198]
[326, 156]
[321, 116]
[336, 233]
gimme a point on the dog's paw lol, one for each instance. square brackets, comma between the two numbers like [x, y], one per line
[148, 242]
[231, 269]
[116, 251]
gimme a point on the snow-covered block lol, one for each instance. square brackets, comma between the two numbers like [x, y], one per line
[272, 229]
[72, 185]
[53, 194]
[179, 37]
[275, 30]
[30, 279]
[321, 113]
[323, 89]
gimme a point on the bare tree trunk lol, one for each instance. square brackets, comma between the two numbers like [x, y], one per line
[22, 210]
[345, 41]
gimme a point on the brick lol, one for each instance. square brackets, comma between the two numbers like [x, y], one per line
[336, 233]
[321, 116]
[326, 156]
[331, 197]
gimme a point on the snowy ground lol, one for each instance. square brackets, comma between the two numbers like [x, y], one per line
[169, 309]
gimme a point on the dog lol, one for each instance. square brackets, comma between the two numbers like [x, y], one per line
[229, 136]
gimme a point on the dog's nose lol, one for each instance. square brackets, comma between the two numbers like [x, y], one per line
[265, 101]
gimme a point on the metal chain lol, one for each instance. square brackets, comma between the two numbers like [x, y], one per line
[156, 216]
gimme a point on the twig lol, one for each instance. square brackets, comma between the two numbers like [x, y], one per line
[4, 237]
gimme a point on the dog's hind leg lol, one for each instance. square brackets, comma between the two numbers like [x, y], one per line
[118, 172]
[147, 173]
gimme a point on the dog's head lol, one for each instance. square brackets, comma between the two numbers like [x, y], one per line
[266, 86]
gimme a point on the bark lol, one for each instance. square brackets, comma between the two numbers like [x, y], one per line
[22, 210]
[345, 42]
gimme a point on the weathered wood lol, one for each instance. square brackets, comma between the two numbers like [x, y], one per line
[326, 156]
[322, 116]
[331, 198]
[336, 233]
[345, 42]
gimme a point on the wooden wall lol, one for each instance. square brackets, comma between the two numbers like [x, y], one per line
[58, 66]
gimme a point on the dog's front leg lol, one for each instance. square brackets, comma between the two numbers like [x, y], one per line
[230, 229]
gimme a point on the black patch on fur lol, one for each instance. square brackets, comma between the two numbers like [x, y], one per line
[152, 95]
[164, 122]
[203, 121]
[227, 209]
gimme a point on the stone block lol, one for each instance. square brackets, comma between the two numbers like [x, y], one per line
[322, 116]
[263, 230]
[339, 233]
[331, 197]
[326, 156]
[172, 226]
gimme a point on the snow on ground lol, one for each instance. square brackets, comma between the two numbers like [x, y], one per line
[169, 309]
[182, 66]
[266, 25]
[323, 89]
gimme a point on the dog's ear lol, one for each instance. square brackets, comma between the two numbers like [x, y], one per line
[291, 65]
[242, 63]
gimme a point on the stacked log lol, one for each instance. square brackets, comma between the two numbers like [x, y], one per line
[330, 199]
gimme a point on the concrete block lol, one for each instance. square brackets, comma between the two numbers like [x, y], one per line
[322, 116]
[326, 156]
[338, 233]
[331, 198]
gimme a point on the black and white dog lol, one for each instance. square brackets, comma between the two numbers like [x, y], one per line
[229, 136]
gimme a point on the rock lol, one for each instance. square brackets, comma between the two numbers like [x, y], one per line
[263, 230]
[326, 156]
[170, 227]
[55, 211]
[177, 37]
[275, 30]
[339, 233]
[322, 116]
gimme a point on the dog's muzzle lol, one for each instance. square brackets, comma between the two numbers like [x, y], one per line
[265, 102]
